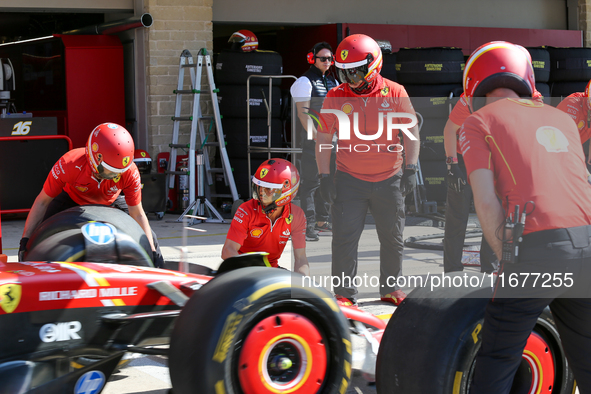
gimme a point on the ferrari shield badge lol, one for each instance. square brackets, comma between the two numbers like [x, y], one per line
[10, 296]
[264, 172]
[344, 54]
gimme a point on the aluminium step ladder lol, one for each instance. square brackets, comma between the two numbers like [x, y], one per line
[196, 118]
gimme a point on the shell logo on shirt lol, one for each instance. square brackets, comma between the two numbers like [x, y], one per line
[264, 172]
[82, 189]
[289, 219]
[256, 232]
[552, 139]
[581, 124]
[347, 108]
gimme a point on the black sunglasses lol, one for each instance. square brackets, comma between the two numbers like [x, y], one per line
[324, 58]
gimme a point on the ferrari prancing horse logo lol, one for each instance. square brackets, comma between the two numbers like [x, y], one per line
[125, 161]
[264, 172]
[10, 296]
[344, 54]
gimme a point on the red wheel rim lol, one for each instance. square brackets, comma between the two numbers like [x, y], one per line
[538, 356]
[283, 353]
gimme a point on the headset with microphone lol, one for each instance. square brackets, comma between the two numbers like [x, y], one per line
[312, 54]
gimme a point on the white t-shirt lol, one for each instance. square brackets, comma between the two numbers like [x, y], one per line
[301, 90]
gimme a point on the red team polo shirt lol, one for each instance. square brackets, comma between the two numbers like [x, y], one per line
[575, 105]
[73, 175]
[253, 230]
[523, 143]
[461, 111]
[374, 165]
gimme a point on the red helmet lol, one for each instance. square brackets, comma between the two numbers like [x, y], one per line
[283, 180]
[246, 39]
[587, 94]
[358, 58]
[498, 64]
[110, 147]
[143, 161]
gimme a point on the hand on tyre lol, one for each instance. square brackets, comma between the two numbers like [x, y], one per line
[328, 190]
[456, 179]
[408, 181]
[22, 249]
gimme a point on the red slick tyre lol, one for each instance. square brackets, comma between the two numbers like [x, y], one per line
[254, 331]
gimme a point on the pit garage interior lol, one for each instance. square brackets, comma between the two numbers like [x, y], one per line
[135, 86]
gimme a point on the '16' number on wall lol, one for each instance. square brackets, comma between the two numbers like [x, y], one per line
[22, 128]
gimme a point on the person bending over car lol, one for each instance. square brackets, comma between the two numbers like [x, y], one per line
[267, 221]
[96, 174]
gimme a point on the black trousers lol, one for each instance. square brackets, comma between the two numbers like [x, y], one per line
[512, 313]
[386, 204]
[314, 206]
[457, 211]
[63, 201]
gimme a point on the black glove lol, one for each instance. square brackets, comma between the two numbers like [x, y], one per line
[456, 179]
[328, 190]
[157, 259]
[22, 249]
[408, 181]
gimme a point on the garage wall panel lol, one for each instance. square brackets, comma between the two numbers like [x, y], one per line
[467, 38]
[531, 14]
[68, 5]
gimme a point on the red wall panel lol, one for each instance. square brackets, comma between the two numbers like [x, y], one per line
[94, 84]
[467, 38]
[295, 43]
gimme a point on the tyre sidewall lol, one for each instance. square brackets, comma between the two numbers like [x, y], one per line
[205, 341]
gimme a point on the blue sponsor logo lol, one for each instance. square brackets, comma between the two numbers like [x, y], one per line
[90, 383]
[99, 233]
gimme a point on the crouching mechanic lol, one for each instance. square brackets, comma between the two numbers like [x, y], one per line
[96, 174]
[529, 155]
[266, 222]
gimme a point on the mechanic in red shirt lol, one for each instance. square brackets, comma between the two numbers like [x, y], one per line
[578, 107]
[266, 222]
[528, 155]
[459, 195]
[96, 174]
[369, 159]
